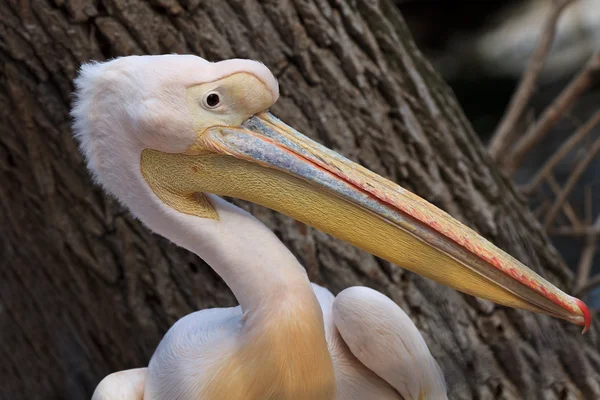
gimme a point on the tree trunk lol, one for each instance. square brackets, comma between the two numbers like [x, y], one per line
[85, 290]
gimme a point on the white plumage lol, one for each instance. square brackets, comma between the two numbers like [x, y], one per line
[168, 135]
[119, 111]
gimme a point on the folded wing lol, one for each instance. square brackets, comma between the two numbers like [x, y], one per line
[122, 385]
[386, 341]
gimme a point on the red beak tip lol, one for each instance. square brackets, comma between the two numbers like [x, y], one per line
[587, 315]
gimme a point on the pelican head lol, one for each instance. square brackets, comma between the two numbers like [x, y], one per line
[176, 131]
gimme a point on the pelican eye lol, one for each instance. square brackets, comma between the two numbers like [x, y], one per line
[212, 100]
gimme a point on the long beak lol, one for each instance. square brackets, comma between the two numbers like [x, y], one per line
[269, 163]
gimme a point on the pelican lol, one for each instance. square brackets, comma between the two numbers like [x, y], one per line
[168, 135]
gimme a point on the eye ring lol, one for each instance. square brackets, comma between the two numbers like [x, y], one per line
[211, 100]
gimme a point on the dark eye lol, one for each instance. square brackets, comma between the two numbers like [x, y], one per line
[212, 100]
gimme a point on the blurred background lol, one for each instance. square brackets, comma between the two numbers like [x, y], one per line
[482, 49]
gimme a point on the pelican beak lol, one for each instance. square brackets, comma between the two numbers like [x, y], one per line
[269, 163]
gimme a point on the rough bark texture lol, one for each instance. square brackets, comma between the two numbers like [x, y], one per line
[85, 290]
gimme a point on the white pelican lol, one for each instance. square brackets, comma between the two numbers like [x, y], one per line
[168, 134]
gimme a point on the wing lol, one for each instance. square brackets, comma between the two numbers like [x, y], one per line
[122, 385]
[385, 340]
[193, 346]
[354, 379]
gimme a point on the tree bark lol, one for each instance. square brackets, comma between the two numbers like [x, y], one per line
[85, 290]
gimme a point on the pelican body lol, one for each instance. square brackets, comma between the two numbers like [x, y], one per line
[167, 135]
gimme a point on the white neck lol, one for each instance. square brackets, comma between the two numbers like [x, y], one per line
[251, 260]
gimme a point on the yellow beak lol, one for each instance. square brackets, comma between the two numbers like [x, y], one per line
[269, 163]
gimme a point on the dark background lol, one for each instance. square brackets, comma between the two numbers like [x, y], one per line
[447, 32]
